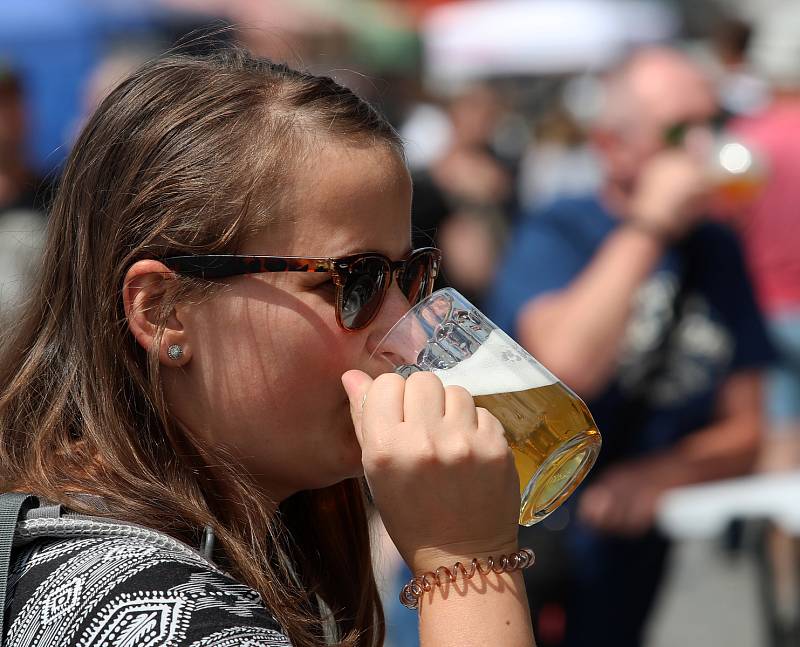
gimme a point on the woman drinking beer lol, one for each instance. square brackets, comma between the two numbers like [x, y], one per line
[229, 242]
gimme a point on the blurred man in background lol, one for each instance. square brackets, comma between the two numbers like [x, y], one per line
[478, 185]
[18, 184]
[22, 195]
[464, 183]
[645, 310]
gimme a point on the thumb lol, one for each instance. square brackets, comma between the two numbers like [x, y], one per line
[356, 384]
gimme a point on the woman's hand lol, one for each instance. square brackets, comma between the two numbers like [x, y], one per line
[440, 470]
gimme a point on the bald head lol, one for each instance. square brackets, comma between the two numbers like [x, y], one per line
[658, 85]
[654, 91]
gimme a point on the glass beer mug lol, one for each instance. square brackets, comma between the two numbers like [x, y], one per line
[551, 433]
[736, 171]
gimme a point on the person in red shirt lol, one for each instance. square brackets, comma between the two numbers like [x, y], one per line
[770, 225]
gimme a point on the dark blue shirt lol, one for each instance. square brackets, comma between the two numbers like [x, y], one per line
[695, 321]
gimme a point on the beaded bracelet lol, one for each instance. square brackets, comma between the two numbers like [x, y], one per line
[412, 592]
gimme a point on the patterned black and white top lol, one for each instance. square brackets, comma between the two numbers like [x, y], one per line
[128, 592]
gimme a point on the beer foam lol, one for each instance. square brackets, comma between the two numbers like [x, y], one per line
[500, 365]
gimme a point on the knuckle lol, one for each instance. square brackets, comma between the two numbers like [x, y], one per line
[387, 379]
[423, 378]
[495, 442]
[420, 450]
[377, 461]
[457, 451]
[457, 391]
[426, 455]
[499, 453]
[487, 420]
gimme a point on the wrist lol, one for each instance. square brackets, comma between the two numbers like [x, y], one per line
[658, 234]
[430, 558]
[457, 574]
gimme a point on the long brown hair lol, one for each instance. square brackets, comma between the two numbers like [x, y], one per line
[188, 155]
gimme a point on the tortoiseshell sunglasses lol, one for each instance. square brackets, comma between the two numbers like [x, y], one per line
[361, 280]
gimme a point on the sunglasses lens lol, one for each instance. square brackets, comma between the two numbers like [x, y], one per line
[363, 292]
[416, 282]
[675, 134]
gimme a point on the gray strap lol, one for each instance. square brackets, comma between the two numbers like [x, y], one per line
[207, 544]
[10, 505]
[45, 512]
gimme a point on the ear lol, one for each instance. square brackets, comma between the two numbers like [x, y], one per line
[616, 158]
[144, 290]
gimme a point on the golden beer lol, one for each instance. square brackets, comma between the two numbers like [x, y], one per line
[554, 440]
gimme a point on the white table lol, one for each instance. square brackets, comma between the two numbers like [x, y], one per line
[707, 511]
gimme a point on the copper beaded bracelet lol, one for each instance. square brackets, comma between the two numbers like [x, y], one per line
[412, 592]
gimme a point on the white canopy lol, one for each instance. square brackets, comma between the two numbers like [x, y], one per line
[483, 38]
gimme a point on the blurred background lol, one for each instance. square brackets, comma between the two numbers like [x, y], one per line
[513, 112]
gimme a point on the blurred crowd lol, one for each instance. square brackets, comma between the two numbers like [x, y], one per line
[631, 219]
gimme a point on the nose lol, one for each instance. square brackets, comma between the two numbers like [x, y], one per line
[395, 305]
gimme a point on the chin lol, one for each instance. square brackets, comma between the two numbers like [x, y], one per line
[357, 473]
[341, 476]
[350, 450]
[351, 466]
[338, 467]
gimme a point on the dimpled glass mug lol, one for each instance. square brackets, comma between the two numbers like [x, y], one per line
[552, 434]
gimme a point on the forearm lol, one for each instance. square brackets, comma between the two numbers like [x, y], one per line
[484, 610]
[577, 332]
[728, 447]
[625, 497]
[724, 450]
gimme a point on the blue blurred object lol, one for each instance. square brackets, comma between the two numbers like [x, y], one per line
[53, 45]
[402, 625]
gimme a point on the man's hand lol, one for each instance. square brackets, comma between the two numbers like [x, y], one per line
[624, 499]
[671, 194]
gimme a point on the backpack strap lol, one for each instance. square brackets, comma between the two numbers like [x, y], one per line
[25, 518]
[10, 505]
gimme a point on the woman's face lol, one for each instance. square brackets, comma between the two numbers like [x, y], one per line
[266, 354]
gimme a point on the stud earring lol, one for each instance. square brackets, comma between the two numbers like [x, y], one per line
[175, 352]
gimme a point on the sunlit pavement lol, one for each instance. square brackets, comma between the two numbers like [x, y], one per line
[709, 599]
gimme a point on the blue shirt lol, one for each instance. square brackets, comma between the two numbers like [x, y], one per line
[713, 330]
